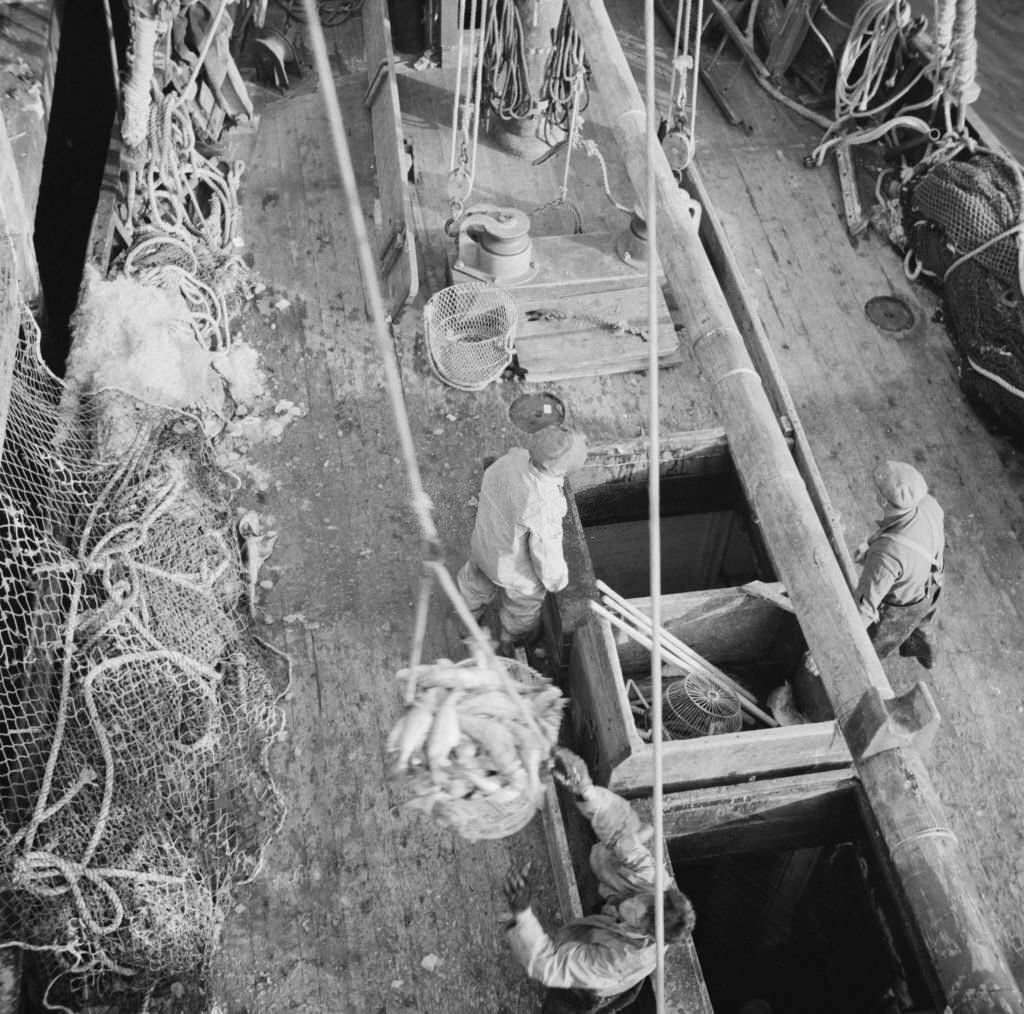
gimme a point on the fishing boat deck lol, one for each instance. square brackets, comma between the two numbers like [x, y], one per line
[362, 907]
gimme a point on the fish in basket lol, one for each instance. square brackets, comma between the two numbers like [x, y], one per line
[471, 748]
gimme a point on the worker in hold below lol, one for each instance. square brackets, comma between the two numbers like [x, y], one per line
[899, 587]
[516, 548]
[598, 963]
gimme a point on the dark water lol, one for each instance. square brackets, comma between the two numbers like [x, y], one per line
[1000, 35]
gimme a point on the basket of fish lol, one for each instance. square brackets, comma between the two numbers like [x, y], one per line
[471, 748]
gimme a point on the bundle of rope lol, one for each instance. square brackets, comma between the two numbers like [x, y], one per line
[472, 745]
[564, 92]
[506, 78]
[873, 59]
[180, 217]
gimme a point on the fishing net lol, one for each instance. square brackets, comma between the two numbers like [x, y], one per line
[963, 223]
[470, 333]
[471, 746]
[178, 224]
[136, 708]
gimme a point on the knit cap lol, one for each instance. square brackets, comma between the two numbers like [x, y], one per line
[902, 485]
[558, 449]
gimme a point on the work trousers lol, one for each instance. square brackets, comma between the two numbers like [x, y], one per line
[580, 1001]
[909, 628]
[518, 611]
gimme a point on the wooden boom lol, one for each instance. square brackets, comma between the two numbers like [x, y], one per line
[968, 961]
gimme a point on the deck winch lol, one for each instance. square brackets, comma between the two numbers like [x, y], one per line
[494, 246]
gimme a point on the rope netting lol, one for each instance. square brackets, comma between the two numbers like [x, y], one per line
[964, 223]
[137, 709]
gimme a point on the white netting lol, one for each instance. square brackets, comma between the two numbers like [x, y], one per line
[470, 333]
[136, 709]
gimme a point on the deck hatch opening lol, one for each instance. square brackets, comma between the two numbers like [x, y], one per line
[795, 906]
[708, 537]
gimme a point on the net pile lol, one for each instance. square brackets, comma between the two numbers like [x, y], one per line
[470, 334]
[471, 747]
[137, 710]
[962, 220]
[179, 223]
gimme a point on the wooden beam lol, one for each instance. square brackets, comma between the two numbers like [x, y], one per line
[10, 327]
[396, 252]
[685, 989]
[733, 758]
[799, 811]
[603, 728]
[722, 624]
[16, 223]
[796, 19]
[698, 452]
[572, 265]
[741, 304]
[968, 960]
[561, 858]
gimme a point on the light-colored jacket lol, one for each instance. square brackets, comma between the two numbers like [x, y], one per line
[903, 555]
[517, 539]
[597, 953]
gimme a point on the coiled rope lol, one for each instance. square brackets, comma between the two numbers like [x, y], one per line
[872, 58]
[507, 84]
[564, 91]
[182, 220]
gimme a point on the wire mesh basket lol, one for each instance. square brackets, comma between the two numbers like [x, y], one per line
[470, 333]
[698, 706]
[503, 723]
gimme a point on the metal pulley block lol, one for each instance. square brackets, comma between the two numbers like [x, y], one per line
[678, 147]
[495, 245]
[460, 185]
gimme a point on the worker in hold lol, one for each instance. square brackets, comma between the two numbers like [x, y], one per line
[599, 962]
[516, 548]
[899, 587]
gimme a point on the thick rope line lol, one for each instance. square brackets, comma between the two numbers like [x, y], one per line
[654, 506]
[421, 505]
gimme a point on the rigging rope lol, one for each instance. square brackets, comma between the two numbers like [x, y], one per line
[462, 164]
[875, 53]
[420, 503]
[654, 508]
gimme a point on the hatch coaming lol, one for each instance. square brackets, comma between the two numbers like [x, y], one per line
[703, 603]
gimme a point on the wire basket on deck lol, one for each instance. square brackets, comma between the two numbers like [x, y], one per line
[698, 706]
[470, 333]
[472, 745]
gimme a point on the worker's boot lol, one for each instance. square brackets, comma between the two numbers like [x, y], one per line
[920, 645]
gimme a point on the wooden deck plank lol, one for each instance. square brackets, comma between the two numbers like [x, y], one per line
[349, 549]
[864, 395]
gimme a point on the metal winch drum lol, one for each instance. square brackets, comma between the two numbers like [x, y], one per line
[494, 246]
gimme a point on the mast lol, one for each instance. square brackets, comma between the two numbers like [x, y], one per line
[966, 956]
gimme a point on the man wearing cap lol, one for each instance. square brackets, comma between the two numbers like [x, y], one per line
[597, 963]
[899, 587]
[516, 548]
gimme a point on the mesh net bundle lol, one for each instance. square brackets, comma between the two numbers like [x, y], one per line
[136, 708]
[956, 208]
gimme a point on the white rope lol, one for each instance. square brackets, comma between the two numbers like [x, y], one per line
[654, 506]
[419, 501]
